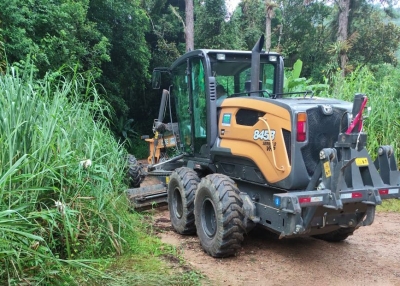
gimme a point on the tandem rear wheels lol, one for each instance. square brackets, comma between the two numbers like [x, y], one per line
[181, 191]
[219, 216]
[211, 206]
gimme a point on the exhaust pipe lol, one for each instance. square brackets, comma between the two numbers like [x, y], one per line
[158, 123]
[255, 64]
[164, 98]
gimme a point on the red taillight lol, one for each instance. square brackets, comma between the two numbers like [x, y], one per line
[304, 200]
[383, 191]
[301, 127]
[356, 195]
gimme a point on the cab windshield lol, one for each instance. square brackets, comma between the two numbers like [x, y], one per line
[234, 74]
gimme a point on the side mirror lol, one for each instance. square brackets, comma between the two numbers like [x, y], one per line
[156, 79]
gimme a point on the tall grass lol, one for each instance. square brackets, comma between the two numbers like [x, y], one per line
[61, 174]
[383, 123]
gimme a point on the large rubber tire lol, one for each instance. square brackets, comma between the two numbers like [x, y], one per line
[181, 192]
[135, 172]
[219, 216]
[336, 235]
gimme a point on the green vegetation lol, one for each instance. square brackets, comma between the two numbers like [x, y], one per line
[382, 125]
[64, 131]
[63, 212]
[383, 97]
[390, 206]
[119, 42]
[61, 178]
[147, 259]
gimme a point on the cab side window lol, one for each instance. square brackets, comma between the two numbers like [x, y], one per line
[199, 106]
[180, 91]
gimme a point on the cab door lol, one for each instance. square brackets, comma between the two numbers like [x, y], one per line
[191, 105]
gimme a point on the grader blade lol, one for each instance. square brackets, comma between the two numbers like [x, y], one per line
[147, 197]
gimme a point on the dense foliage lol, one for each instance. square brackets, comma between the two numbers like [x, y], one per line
[63, 211]
[124, 77]
[61, 178]
[54, 33]
[211, 30]
[382, 90]
[81, 68]
[120, 41]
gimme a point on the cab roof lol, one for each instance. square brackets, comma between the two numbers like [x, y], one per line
[205, 52]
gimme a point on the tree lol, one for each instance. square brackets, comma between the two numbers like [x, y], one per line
[101, 36]
[305, 34]
[189, 27]
[342, 34]
[54, 33]
[188, 24]
[250, 18]
[378, 40]
[167, 30]
[269, 12]
[212, 28]
[124, 78]
[349, 13]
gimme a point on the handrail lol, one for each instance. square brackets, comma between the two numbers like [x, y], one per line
[282, 169]
[272, 95]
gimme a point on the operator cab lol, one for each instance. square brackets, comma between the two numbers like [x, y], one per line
[195, 78]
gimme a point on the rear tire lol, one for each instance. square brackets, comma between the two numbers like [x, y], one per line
[181, 192]
[135, 172]
[336, 235]
[219, 215]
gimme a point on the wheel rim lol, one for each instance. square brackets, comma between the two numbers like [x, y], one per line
[177, 203]
[208, 218]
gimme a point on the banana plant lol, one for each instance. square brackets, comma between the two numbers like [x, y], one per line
[294, 83]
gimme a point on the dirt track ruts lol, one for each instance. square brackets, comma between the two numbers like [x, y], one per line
[370, 257]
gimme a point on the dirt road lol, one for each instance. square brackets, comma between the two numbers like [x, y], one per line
[370, 257]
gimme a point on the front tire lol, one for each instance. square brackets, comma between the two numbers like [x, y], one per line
[135, 172]
[181, 192]
[219, 215]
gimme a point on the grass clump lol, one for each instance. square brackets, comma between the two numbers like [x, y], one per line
[61, 175]
[383, 123]
[64, 216]
[149, 261]
[392, 205]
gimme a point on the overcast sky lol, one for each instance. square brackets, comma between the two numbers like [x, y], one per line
[231, 4]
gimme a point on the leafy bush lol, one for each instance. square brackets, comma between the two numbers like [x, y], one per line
[294, 83]
[61, 174]
[382, 125]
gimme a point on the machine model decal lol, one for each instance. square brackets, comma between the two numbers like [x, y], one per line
[264, 135]
[226, 119]
[268, 145]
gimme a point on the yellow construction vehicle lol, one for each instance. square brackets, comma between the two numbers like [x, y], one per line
[292, 163]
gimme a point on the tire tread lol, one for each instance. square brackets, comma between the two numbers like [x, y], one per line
[230, 236]
[189, 180]
[135, 172]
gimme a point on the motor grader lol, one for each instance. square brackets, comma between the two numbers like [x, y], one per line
[292, 163]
